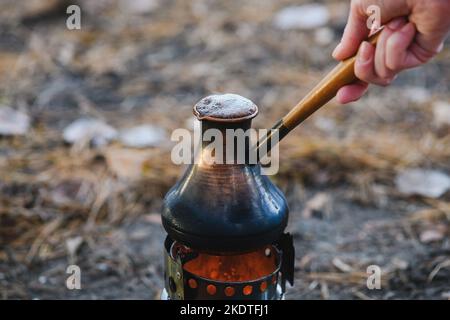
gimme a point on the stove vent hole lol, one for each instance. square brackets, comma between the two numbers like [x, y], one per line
[247, 290]
[211, 289]
[263, 286]
[192, 283]
[229, 291]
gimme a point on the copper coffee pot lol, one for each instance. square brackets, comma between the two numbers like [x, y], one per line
[225, 222]
[233, 206]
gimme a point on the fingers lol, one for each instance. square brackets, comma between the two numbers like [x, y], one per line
[391, 56]
[354, 33]
[398, 57]
[431, 19]
[351, 92]
[381, 70]
[380, 65]
[357, 29]
[402, 44]
[417, 55]
[365, 66]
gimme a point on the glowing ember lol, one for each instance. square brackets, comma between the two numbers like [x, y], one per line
[234, 268]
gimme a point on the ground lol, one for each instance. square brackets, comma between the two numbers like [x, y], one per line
[64, 204]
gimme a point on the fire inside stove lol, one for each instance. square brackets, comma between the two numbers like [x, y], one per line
[199, 275]
[243, 267]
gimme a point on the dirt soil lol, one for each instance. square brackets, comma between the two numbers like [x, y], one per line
[99, 207]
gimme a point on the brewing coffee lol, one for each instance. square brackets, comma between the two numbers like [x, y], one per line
[226, 221]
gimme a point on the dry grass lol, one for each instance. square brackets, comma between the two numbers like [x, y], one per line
[152, 70]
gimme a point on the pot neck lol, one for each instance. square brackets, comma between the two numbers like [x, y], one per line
[227, 130]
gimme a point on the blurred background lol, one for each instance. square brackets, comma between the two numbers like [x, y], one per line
[85, 123]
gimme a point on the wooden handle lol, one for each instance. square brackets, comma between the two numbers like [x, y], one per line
[340, 76]
[325, 90]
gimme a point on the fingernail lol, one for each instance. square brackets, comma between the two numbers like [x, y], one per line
[364, 53]
[335, 51]
[396, 23]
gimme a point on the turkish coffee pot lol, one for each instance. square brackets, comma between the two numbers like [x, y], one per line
[225, 222]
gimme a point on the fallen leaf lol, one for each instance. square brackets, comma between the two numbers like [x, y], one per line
[324, 36]
[154, 218]
[417, 95]
[13, 122]
[143, 136]
[441, 113]
[139, 6]
[433, 234]
[87, 130]
[428, 183]
[127, 163]
[305, 17]
[341, 265]
[318, 206]
[73, 244]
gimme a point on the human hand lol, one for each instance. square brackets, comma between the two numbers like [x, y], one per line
[414, 33]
